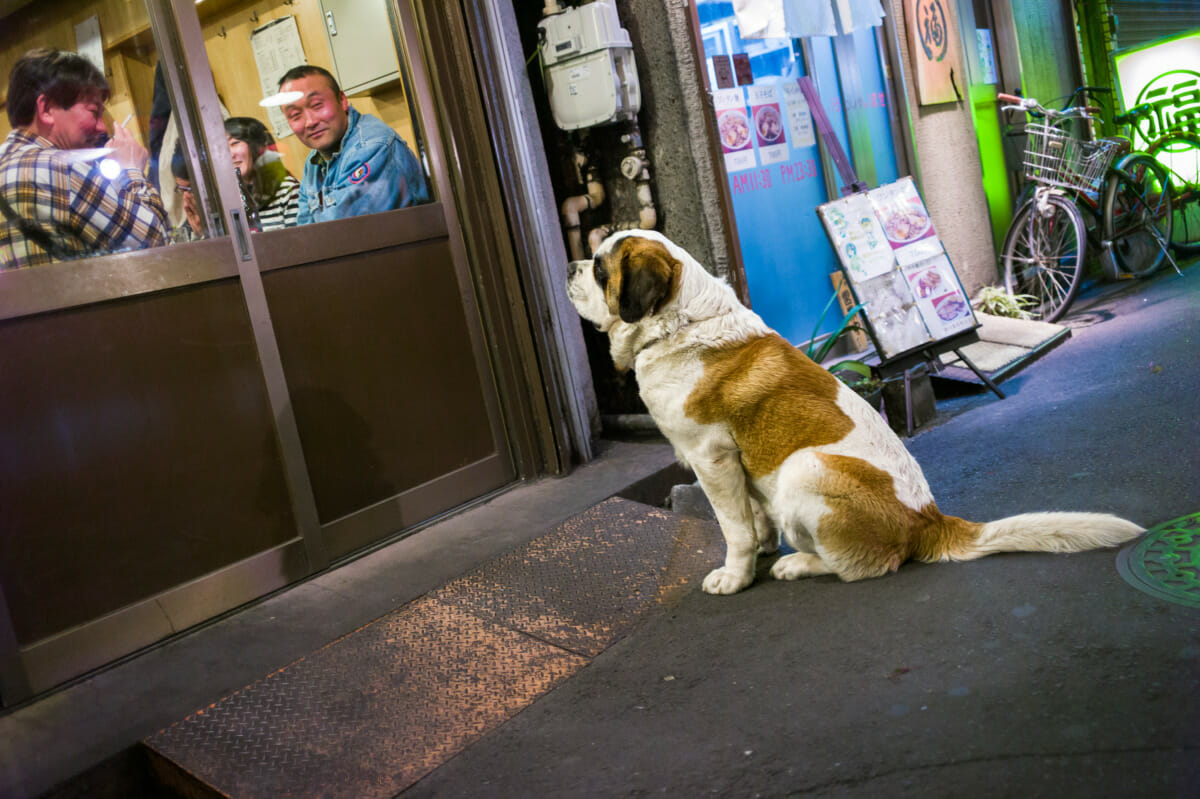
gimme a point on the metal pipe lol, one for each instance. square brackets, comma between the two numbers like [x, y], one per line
[572, 207]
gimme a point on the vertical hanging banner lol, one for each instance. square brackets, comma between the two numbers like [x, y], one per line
[936, 51]
[733, 127]
[768, 124]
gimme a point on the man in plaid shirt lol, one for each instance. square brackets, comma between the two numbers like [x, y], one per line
[59, 197]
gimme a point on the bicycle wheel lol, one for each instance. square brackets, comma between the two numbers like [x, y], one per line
[1137, 214]
[1043, 255]
[1180, 152]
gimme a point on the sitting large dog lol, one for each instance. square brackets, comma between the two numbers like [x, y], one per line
[779, 445]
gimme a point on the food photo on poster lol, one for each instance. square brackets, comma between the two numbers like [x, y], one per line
[768, 124]
[734, 130]
[906, 221]
[939, 296]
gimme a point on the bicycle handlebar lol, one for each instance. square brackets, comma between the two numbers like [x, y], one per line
[1132, 114]
[1031, 106]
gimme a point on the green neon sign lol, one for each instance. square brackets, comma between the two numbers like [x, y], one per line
[1165, 75]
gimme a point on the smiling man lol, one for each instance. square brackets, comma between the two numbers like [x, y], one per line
[358, 165]
[59, 197]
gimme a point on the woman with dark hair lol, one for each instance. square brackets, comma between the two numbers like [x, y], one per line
[267, 186]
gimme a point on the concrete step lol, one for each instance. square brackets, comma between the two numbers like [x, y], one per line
[376, 710]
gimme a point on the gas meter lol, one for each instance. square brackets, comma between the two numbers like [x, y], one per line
[587, 63]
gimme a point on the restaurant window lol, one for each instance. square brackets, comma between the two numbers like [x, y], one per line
[362, 142]
[340, 136]
[80, 173]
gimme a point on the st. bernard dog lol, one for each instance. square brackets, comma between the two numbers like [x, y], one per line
[780, 445]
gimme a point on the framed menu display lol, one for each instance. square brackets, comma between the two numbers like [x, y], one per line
[889, 250]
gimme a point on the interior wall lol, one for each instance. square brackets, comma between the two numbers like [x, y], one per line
[951, 174]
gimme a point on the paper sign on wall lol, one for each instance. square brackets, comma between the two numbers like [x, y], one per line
[277, 49]
[800, 122]
[734, 129]
[768, 124]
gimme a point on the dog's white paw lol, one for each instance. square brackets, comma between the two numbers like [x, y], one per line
[726, 581]
[797, 565]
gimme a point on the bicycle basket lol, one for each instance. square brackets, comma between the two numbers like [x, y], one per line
[1056, 158]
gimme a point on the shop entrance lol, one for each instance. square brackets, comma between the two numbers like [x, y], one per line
[204, 421]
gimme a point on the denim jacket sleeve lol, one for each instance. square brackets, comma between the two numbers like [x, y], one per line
[375, 171]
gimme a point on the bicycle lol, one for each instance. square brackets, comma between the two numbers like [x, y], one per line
[1128, 208]
[1178, 149]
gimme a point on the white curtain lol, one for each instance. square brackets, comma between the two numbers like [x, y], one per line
[763, 19]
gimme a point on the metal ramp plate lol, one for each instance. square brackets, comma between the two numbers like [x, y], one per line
[374, 711]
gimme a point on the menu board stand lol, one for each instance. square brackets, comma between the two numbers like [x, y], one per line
[915, 307]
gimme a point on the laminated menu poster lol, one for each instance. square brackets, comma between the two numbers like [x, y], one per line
[856, 234]
[734, 130]
[905, 221]
[768, 124]
[940, 299]
[895, 317]
[888, 248]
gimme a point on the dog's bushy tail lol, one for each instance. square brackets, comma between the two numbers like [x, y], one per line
[1046, 532]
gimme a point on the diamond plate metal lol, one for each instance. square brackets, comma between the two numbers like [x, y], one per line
[583, 585]
[371, 713]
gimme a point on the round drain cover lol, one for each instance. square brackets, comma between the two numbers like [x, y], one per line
[1166, 561]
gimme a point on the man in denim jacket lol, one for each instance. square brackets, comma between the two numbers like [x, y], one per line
[359, 165]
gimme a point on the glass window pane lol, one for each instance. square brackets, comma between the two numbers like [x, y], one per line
[319, 120]
[80, 132]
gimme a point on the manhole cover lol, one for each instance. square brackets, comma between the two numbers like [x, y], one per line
[1087, 319]
[1166, 562]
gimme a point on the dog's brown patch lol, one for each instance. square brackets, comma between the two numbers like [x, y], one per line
[642, 278]
[774, 400]
[869, 532]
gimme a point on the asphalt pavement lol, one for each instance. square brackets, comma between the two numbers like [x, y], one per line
[1017, 675]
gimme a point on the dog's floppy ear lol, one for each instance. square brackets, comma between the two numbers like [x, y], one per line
[648, 278]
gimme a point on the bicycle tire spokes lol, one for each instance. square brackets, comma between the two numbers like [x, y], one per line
[1179, 152]
[1137, 215]
[1043, 257]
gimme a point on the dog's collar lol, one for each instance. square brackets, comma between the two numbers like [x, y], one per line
[642, 347]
